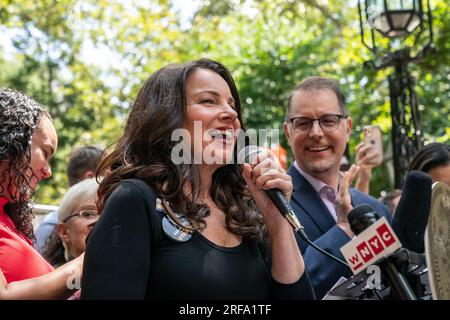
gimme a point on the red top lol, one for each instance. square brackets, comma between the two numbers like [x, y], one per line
[18, 259]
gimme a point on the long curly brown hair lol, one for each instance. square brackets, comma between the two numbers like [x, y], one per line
[144, 152]
[19, 117]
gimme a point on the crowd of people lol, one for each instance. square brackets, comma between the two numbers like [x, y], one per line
[134, 224]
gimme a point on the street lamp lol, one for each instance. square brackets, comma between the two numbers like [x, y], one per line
[394, 18]
[399, 21]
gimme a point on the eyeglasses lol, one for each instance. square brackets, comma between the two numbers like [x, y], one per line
[327, 122]
[84, 214]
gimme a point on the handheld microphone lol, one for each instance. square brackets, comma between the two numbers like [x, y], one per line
[247, 155]
[411, 216]
[361, 218]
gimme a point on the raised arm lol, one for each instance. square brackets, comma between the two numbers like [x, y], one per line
[58, 284]
[287, 261]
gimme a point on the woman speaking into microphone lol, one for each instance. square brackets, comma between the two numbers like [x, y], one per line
[196, 228]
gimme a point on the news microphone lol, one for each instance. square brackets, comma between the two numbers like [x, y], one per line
[362, 217]
[411, 216]
[247, 155]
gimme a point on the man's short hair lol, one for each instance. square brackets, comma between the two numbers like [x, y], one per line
[82, 160]
[318, 83]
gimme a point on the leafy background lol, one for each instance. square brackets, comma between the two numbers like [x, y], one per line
[85, 60]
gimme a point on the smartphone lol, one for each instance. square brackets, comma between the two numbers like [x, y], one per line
[373, 135]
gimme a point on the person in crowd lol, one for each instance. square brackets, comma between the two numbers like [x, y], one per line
[433, 159]
[345, 160]
[82, 165]
[317, 128]
[391, 200]
[77, 214]
[171, 229]
[28, 141]
[366, 153]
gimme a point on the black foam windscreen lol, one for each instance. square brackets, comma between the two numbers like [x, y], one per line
[411, 216]
[361, 217]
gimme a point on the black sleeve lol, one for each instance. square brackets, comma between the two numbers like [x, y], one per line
[117, 258]
[300, 290]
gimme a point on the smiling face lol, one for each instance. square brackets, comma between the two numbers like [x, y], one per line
[211, 117]
[316, 151]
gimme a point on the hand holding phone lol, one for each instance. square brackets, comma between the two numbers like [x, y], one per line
[373, 143]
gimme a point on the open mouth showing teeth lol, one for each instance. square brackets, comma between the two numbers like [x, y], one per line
[317, 149]
[221, 134]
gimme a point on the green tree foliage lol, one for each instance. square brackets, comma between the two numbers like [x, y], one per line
[48, 68]
[272, 45]
[269, 45]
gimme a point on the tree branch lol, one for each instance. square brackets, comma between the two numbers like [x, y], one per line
[324, 11]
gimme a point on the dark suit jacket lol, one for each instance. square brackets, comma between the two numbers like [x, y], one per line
[321, 229]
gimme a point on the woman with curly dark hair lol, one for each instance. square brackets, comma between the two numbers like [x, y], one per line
[179, 224]
[27, 142]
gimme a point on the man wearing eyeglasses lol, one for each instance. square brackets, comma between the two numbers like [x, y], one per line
[317, 128]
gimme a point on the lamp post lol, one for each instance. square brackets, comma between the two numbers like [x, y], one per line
[400, 21]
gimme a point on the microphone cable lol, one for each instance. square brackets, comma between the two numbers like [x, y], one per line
[301, 232]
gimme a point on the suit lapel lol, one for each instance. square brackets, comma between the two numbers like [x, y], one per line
[307, 198]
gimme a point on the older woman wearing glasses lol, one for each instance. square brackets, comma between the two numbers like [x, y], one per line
[77, 214]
